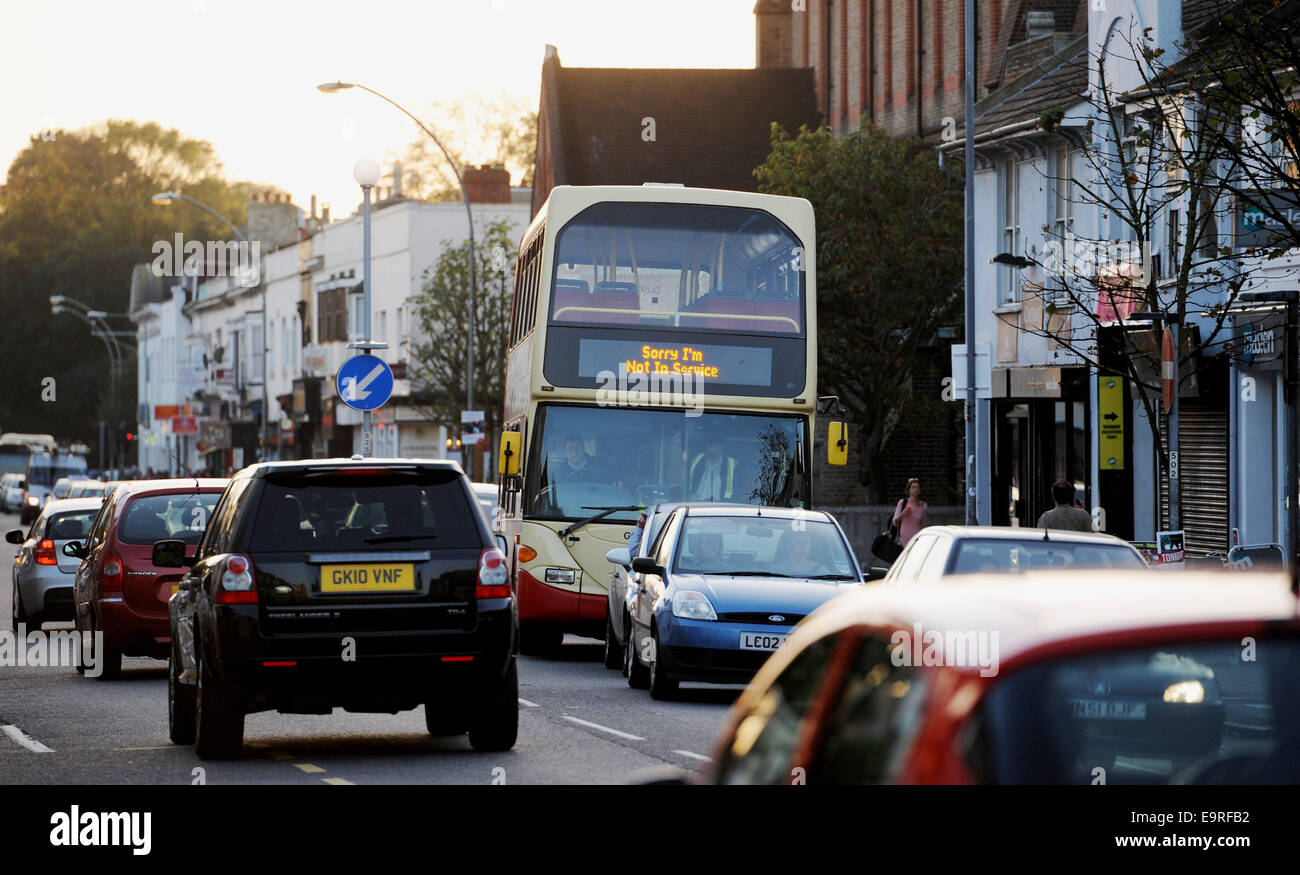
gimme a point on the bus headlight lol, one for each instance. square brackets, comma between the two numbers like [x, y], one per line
[560, 575]
[693, 606]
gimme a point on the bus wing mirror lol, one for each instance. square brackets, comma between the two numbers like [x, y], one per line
[837, 443]
[512, 443]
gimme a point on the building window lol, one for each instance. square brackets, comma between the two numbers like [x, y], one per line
[332, 316]
[1174, 233]
[357, 317]
[1010, 227]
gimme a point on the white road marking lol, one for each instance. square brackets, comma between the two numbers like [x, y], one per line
[338, 781]
[617, 732]
[529, 704]
[24, 739]
[694, 756]
[308, 768]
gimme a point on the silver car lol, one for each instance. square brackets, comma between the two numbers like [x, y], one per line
[622, 581]
[947, 551]
[43, 575]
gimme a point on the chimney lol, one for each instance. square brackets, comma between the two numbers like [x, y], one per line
[1039, 23]
[773, 34]
[325, 215]
[397, 179]
[313, 206]
[487, 184]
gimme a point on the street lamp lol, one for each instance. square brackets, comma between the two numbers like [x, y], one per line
[96, 319]
[366, 172]
[165, 198]
[334, 87]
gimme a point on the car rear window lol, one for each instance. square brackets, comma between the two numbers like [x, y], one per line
[1154, 715]
[150, 518]
[372, 511]
[73, 525]
[993, 555]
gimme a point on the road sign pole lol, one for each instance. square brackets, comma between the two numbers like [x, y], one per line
[972, 433]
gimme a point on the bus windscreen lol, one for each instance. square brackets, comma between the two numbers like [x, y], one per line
[693, 267]
[589, 459]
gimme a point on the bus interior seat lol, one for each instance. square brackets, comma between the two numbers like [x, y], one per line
[573, 286]
[616, 296]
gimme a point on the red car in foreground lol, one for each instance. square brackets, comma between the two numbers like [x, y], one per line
[1138, 677]
[118, 589]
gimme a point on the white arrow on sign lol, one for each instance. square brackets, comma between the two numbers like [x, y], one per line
[354, 391]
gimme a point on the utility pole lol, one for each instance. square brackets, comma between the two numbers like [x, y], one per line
[972, 469]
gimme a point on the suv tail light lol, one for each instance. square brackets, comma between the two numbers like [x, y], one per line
[44, 553]
[493, 575]
[111, 577]
[235, 586]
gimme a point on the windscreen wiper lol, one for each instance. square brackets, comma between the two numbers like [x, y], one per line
[831, 577]
[748, 573]
[604, 512]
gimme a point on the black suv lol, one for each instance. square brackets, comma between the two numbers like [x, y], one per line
[371, 585]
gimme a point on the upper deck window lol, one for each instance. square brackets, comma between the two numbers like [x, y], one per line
[687, 266]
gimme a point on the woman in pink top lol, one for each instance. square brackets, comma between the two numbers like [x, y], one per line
[910, 514]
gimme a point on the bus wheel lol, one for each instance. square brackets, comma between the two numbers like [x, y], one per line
[539, 639]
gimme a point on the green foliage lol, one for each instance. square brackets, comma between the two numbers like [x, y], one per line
[75, 217]
[888, 261]
[443, 310]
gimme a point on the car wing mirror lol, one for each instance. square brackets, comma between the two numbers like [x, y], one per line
[14, 536]
[874, 572]
[75, 549]
[646, 565]
[170, 554]
[619, 556]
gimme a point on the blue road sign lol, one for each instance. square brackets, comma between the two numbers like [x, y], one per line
[365, 382]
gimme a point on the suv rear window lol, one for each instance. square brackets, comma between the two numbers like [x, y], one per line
[351, 511]
[152, 518]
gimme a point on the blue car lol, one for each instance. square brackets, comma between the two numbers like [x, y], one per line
[721, 588]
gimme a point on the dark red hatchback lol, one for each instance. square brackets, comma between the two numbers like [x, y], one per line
[119, 591]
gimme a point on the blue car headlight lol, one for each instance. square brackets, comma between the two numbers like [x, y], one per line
[693, 606]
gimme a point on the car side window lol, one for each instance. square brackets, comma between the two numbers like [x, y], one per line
[909, 564]
[763, 745]
[664, 542]
[871, 727]
[100, 526]
[216, 537]
[936, 560]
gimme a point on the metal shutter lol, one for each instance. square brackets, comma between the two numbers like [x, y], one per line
[1203, 457]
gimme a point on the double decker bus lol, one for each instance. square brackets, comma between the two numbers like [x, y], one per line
[662, 348]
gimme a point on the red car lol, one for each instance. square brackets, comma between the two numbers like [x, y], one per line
[118, 589]
[1061, 678]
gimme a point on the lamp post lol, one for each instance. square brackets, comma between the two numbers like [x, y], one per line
[1291, 389]
[165, 198]
[366, 173]
[97, 320]
[972, 508]
[334, 87]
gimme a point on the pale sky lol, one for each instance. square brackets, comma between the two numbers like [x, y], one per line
[242, 74]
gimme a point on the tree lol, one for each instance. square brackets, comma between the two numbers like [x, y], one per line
[75, 217]
[1153, 171]
[443, 312]
[500, 129]
[889, 243]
